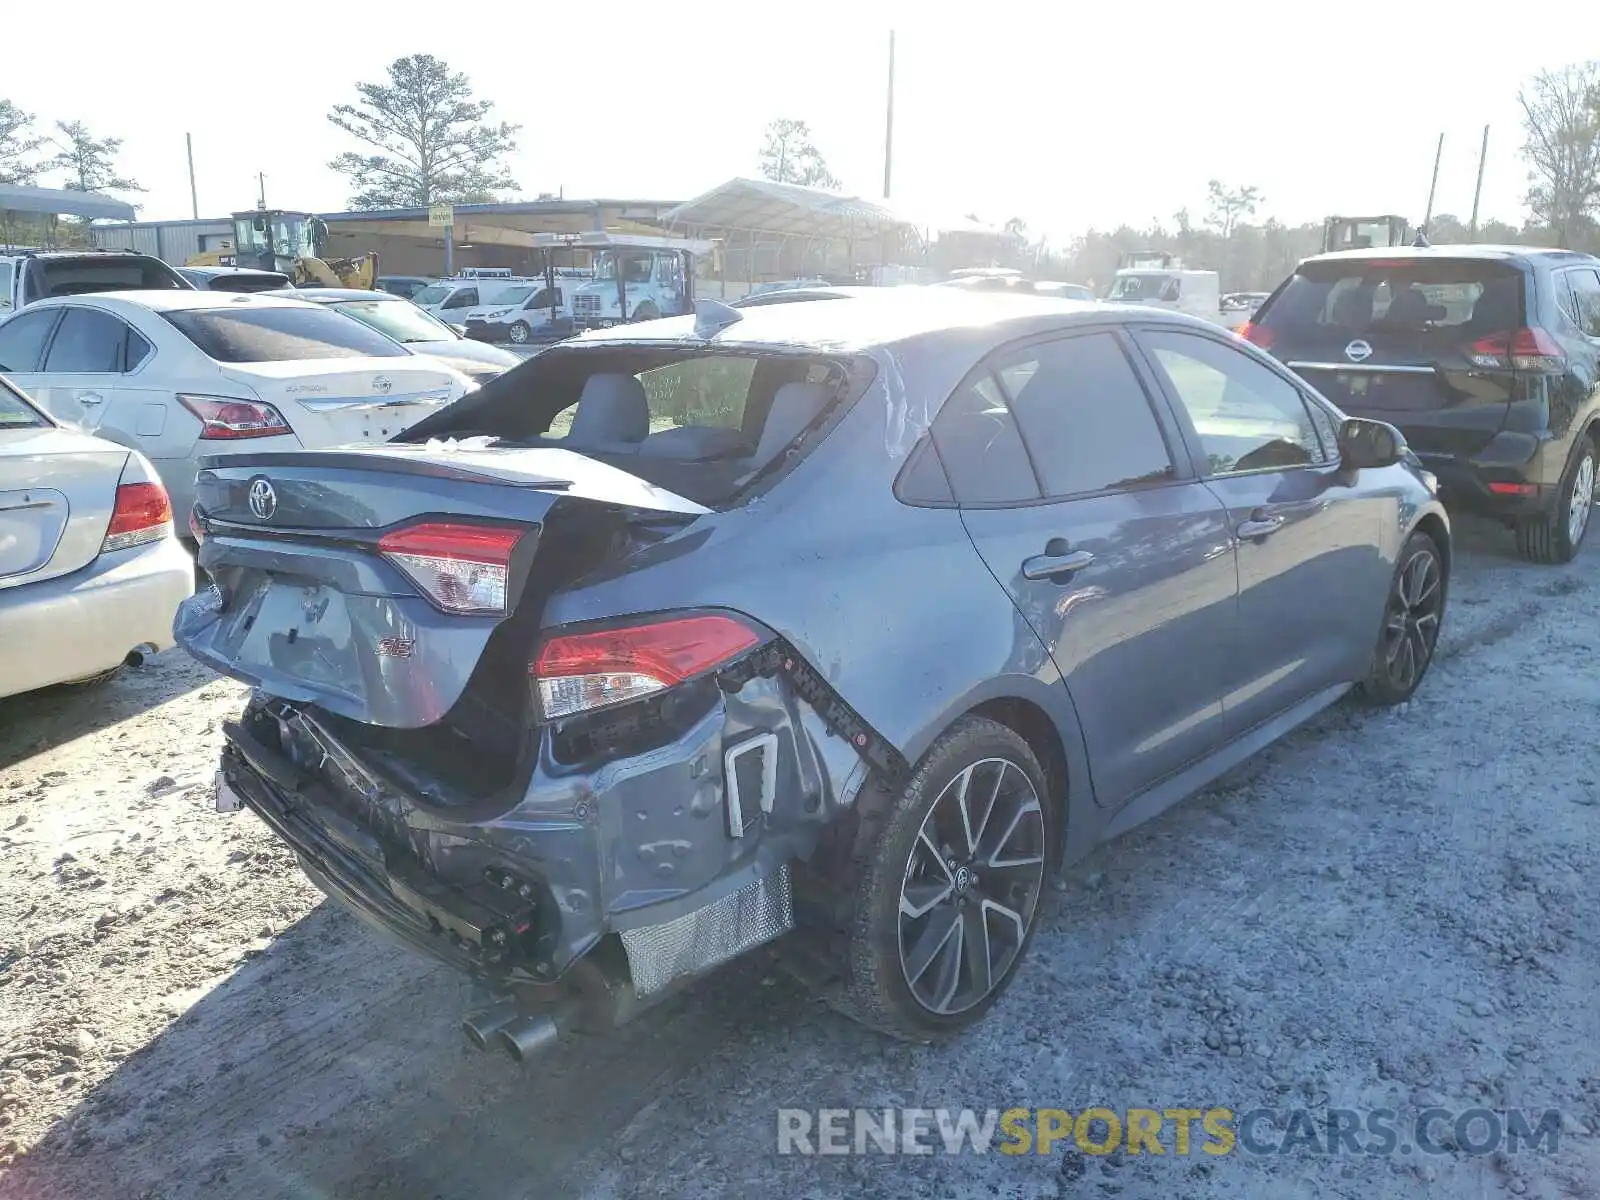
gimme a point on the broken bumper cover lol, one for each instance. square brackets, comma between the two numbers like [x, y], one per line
[518, 897]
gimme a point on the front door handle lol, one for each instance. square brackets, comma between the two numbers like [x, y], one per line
[1260, 525]
[90, 398]
[1055, 562]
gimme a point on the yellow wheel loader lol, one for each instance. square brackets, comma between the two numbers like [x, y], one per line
[275, 239]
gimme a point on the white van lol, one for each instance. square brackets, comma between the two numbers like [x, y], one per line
[1162, 281]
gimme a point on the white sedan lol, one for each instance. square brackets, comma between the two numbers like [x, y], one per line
[91, 571]
[181, 374]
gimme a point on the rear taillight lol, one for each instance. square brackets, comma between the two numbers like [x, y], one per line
[142, 514]
[582, 671]
[1520, 350]
[461, 568]
[1255, 335]
[224, 420]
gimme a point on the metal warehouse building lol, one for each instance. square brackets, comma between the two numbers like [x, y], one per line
[763, 231]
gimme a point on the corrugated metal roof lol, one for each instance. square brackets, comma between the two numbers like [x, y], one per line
[62, 202]
[520, 207]
[764, 206]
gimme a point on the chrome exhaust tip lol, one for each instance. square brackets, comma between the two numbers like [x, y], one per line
[525, 1037]
[136, 657]
[481, 1027]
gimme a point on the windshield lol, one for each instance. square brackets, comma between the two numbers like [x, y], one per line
[434, 293]
[15, 412]
[402, 321]
[290, 236]
[279, 334]
[511, 295]
[1145, 287]
[634, 264]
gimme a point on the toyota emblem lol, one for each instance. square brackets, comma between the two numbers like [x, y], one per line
[382, 384]
[1358, 351]
[263, 499]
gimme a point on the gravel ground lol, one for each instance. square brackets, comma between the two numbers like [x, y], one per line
[1385, 910]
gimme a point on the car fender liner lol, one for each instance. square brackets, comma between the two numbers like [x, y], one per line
[779, 658]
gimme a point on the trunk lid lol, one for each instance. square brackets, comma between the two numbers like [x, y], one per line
[334, 402]
[309, 607]
[57, 491]
[1393, 339]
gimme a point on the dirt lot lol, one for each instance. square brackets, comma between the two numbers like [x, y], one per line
[1392, 910]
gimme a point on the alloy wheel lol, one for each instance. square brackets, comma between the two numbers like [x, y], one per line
[972, 886]
[1582, 500]
[1411, 625]
[519, 333]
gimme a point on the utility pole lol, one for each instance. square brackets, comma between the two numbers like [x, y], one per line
[1433, 187]
[1477, 192]
[888, 129]
[194, 196]
[262, 180]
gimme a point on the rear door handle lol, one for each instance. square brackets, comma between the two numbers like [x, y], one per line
[1260, 525]
[1053, 564]
[90, 398]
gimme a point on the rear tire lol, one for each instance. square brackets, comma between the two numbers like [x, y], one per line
[1413, 612]
[1555, 537]
[519, 333]
[931, 945]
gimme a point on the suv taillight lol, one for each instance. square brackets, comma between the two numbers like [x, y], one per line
[225, 420]
[1255, 335]
[142, 513]
[460, 568]
[1519, 349]
[581, 671]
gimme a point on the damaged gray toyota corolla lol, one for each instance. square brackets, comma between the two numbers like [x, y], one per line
[849, 622]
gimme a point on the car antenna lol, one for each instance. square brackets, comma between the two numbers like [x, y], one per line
[711, 317]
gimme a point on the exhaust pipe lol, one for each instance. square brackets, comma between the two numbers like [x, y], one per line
[527, 1036]
[481, 1027]
[138, 654]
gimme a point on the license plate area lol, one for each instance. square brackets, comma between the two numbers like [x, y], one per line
[297, 629]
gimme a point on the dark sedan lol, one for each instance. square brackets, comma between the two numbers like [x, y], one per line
[853, 620]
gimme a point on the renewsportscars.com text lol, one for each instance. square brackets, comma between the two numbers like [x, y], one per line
[1176, 1132]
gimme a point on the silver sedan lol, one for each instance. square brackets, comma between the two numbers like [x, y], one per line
[91, 570]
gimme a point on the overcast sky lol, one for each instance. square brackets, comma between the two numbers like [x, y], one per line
[1067, 115]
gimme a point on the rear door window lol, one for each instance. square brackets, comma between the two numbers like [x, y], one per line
[1583, 287]
[1084, 416]
[463, 298]
[22, 340]
[981, 447]
[88, 342]
[241, 335]
[1247, 416]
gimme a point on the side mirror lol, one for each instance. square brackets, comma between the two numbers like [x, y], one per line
[460, 330]
[1364, 443]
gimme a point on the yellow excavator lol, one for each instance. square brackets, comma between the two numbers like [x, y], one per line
[276, 239]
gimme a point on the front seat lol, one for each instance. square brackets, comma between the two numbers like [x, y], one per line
[613, 415]
[794, 406]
